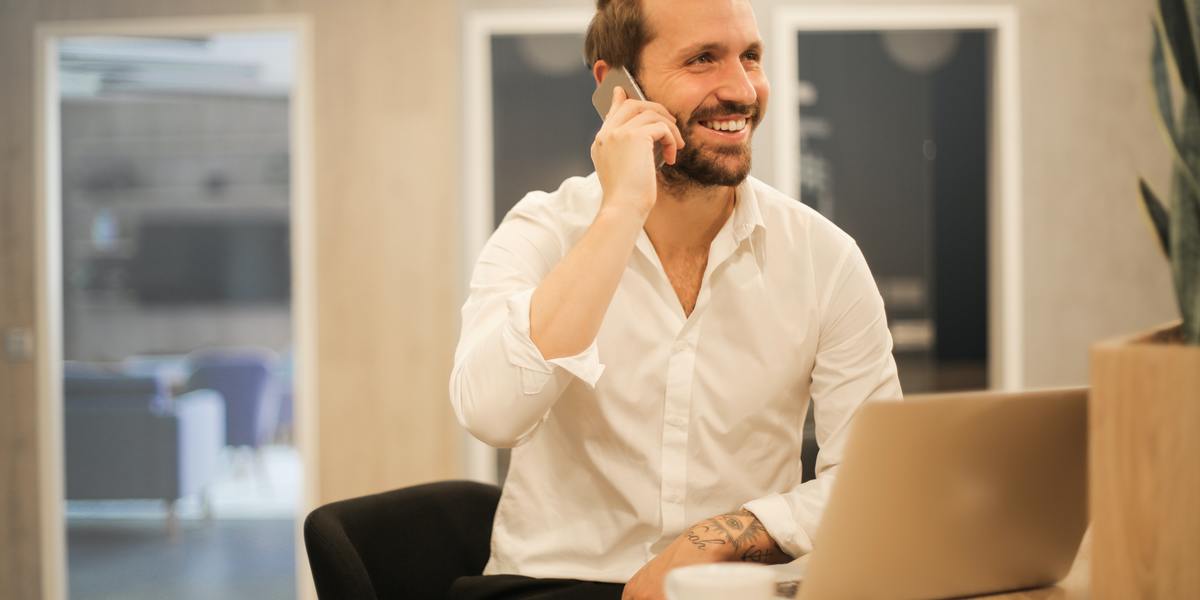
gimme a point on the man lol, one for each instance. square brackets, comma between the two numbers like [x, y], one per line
[648, 340]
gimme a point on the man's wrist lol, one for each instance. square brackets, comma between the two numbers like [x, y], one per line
[626, 212]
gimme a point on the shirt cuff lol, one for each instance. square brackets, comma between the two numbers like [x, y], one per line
[776, 515]
[536, 371]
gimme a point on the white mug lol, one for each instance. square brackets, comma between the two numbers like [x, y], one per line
[721, 581]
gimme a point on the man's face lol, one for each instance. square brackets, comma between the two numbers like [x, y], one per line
[704, 64]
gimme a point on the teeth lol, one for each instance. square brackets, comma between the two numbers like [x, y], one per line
[732, 125]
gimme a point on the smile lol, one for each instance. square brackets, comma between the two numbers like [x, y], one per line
[730, 125]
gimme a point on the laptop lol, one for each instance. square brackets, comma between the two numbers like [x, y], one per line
[952, 495]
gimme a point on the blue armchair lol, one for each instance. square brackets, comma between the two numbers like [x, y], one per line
[245, 380]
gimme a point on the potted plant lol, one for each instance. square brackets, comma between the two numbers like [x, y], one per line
[1144, 417]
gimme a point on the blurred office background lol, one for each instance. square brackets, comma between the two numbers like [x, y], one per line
[428, 121]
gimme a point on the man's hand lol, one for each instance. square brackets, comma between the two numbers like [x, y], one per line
[623, 152]
[731, 537]
[569, 305]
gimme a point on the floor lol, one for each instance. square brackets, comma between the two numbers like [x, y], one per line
[124, 550]
[111, 559]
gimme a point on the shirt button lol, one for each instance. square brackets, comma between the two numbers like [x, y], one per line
[681, 345]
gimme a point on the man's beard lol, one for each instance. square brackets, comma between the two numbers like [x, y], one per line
[708, 166]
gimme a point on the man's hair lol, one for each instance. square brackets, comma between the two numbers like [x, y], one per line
[616, 34]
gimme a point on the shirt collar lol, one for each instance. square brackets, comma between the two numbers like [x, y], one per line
[746, 220]
[746, 217]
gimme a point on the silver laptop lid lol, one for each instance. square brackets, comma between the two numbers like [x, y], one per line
[953, 495]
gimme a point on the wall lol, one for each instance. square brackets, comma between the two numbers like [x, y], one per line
[386, 109]
[386, 191]
[1092, 266]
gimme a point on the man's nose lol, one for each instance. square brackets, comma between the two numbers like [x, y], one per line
[736, 85]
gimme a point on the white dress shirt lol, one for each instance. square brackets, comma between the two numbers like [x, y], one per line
[667, 419]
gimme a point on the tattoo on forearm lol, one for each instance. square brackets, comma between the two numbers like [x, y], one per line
[743, 532]
[698, 536]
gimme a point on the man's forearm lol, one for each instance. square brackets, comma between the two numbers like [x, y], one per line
[569, 305]
[736, 536]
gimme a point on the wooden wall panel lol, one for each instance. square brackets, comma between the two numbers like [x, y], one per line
[386, 144]
[19, 533]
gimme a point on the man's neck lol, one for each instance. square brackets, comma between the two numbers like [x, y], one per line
[686, 219]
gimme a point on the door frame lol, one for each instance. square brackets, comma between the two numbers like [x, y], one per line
[1005, 256]
[48, 265]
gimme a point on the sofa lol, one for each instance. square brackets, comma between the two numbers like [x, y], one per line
[127, 438]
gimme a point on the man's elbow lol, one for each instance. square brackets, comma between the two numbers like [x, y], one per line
[494, 439]
[488, 425]
[492, 430]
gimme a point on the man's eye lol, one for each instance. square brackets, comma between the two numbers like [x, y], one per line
[703, 58]
[752, 56]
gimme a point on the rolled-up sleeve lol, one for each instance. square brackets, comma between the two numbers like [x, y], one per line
[853, 365]
[501, 387]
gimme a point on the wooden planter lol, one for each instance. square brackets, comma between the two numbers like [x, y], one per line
[1144, 448]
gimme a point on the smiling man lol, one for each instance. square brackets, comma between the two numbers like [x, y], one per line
[648, 340]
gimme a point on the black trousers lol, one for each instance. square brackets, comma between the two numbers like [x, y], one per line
[516, 587]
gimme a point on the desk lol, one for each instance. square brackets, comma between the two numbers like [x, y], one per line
[1075, 586]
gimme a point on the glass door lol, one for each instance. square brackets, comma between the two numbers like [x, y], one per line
[181, 476]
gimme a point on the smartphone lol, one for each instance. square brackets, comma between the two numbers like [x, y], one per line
[602, 99]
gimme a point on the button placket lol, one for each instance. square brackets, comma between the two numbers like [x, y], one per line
[681, 370]
[676, 415]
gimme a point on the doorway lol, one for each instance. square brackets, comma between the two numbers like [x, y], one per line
[900, 124]
[177, 269]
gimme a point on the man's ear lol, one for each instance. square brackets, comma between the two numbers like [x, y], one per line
[599, 70]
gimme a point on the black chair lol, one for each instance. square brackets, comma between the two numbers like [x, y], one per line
[407, 543]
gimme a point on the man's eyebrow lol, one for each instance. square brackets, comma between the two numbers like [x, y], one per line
[714, 46]
[700, 49]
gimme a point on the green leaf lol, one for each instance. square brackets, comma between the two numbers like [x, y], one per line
[1159, 218]
[1177, 22]
[1162, 85]
[1166, 117]
[1185, 260]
